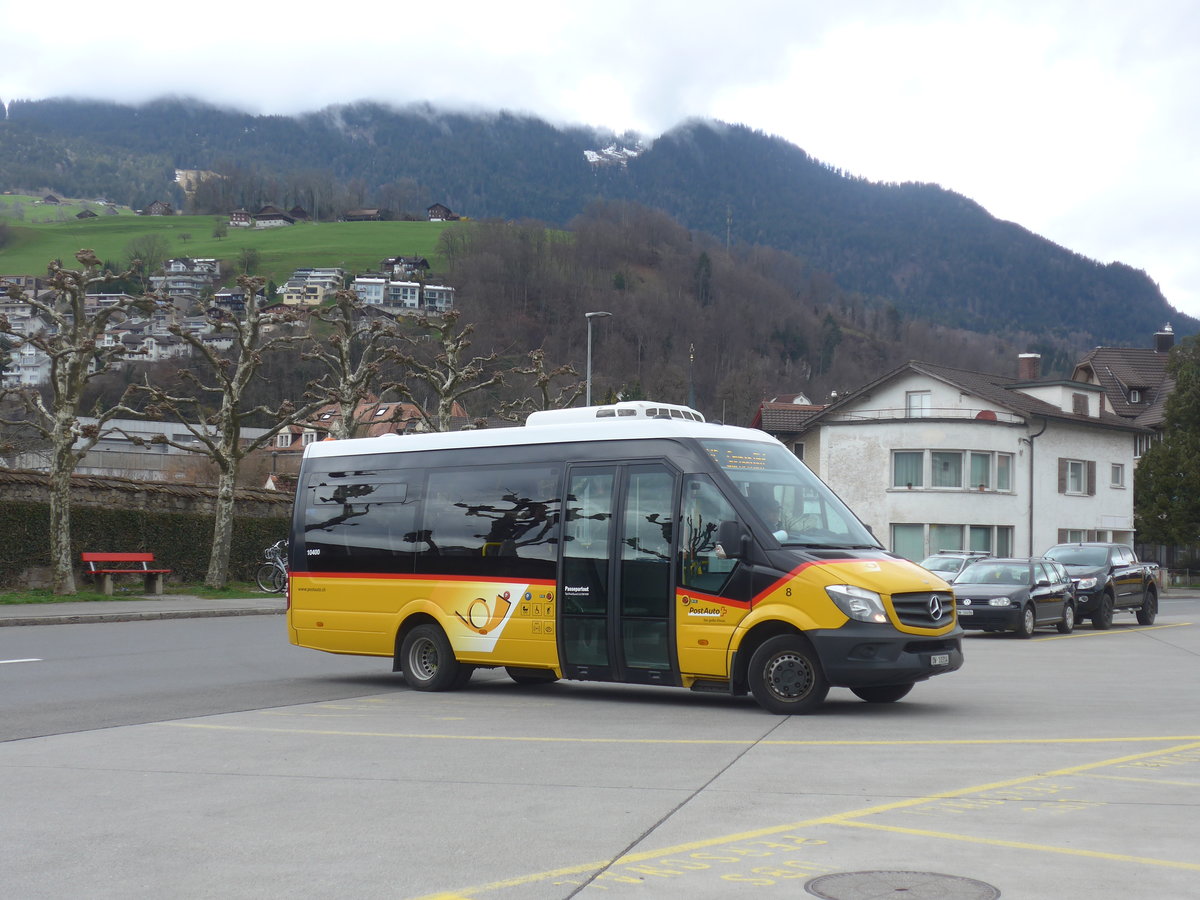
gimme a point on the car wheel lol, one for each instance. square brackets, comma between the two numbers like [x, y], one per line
[1067, 625]
[882, 693]
[785, 676]
[1102, 617]
[1028, 622]
[1149, 609]
[429, 663]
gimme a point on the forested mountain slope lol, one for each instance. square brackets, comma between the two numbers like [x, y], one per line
[933, 254]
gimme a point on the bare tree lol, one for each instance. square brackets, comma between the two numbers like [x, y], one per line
[215, 413]
[447, 375]
[72, 341]
[354, 355]
[543, 388]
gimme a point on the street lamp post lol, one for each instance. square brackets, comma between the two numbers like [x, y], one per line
[588, 376]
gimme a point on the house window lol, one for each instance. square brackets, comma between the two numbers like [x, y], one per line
[909, 541]
[980, 538]
[1135, 396]
[945, 537]
[1076, 476]
[283, 440]
[798, 449]
[1004, 471]
[908, 468]
[1076, 472]
[918, 404]
[1079, 404]
[308, 437]
[947, 472]
[1118, 475]
[1004, 540]
[981, 471]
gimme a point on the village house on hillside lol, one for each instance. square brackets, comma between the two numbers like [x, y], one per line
[937, 458]
[440, 213]
[272, 217]
[1135, 382]
[158, 208]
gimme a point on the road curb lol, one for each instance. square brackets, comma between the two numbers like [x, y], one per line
[89, 618]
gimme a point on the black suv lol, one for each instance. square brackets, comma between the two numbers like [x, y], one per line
[1108, 577]
[1018, 595]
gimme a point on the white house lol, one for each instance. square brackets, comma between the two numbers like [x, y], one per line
[935, 458]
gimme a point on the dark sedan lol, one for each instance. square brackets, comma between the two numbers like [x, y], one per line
[1015, 595]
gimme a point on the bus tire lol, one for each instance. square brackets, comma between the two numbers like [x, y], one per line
[785, 676]
[429, 663]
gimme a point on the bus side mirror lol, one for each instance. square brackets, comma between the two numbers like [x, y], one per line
[733, 539]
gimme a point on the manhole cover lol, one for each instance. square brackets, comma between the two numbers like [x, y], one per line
[899, 885]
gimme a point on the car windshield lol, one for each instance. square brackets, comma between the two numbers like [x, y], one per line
[994, 573]
[795, 505]
[942, 563]
[1079, 556]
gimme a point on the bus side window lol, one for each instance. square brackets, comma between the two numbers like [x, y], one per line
[703, 565]
[494, 521]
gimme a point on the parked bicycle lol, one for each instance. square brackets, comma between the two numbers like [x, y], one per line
[272, 575]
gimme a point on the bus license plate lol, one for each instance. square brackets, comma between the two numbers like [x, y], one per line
[939, 659]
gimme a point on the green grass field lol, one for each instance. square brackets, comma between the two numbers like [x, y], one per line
[355, 246]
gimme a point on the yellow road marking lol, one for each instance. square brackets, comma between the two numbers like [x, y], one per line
[1112, 631]
[850, 818]
[1023, 845]
[1144, 780]
[731, 742]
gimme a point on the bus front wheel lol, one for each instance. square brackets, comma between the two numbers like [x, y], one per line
[785, 676]
[429, 663]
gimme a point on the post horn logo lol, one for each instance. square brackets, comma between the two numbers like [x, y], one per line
[481, 618]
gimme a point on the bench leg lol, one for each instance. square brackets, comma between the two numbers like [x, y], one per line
[106, 583]
[154, 583]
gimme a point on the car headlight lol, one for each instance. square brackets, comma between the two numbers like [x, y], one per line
[858, 603]
[1086, 584]
[1000, 601]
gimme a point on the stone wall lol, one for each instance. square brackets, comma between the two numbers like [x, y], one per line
[127, 493]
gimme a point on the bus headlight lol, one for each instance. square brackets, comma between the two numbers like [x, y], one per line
[858, 603]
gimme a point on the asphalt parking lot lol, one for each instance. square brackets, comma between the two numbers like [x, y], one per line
[1066, 766]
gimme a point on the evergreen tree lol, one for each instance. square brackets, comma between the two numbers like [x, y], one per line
[1167, 486]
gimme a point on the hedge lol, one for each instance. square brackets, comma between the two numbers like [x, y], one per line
[180, 541]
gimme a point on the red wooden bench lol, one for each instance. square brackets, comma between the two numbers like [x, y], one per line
[103, 566]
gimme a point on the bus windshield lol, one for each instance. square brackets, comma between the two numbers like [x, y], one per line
[791, 501]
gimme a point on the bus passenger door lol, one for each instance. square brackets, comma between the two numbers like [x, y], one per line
[616, 593]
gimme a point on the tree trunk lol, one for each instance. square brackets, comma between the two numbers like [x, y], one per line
[62, 566]
[218, 562]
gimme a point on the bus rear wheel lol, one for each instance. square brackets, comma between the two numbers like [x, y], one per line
[785, 676]
[429, 663]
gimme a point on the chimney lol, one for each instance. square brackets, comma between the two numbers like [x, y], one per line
[1029, 366]
[1164, 340]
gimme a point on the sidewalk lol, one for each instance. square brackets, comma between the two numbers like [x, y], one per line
[168, 606]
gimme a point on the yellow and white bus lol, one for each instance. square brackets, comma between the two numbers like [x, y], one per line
[631, 543]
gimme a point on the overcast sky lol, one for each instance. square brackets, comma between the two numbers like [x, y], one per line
[1077, 120]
